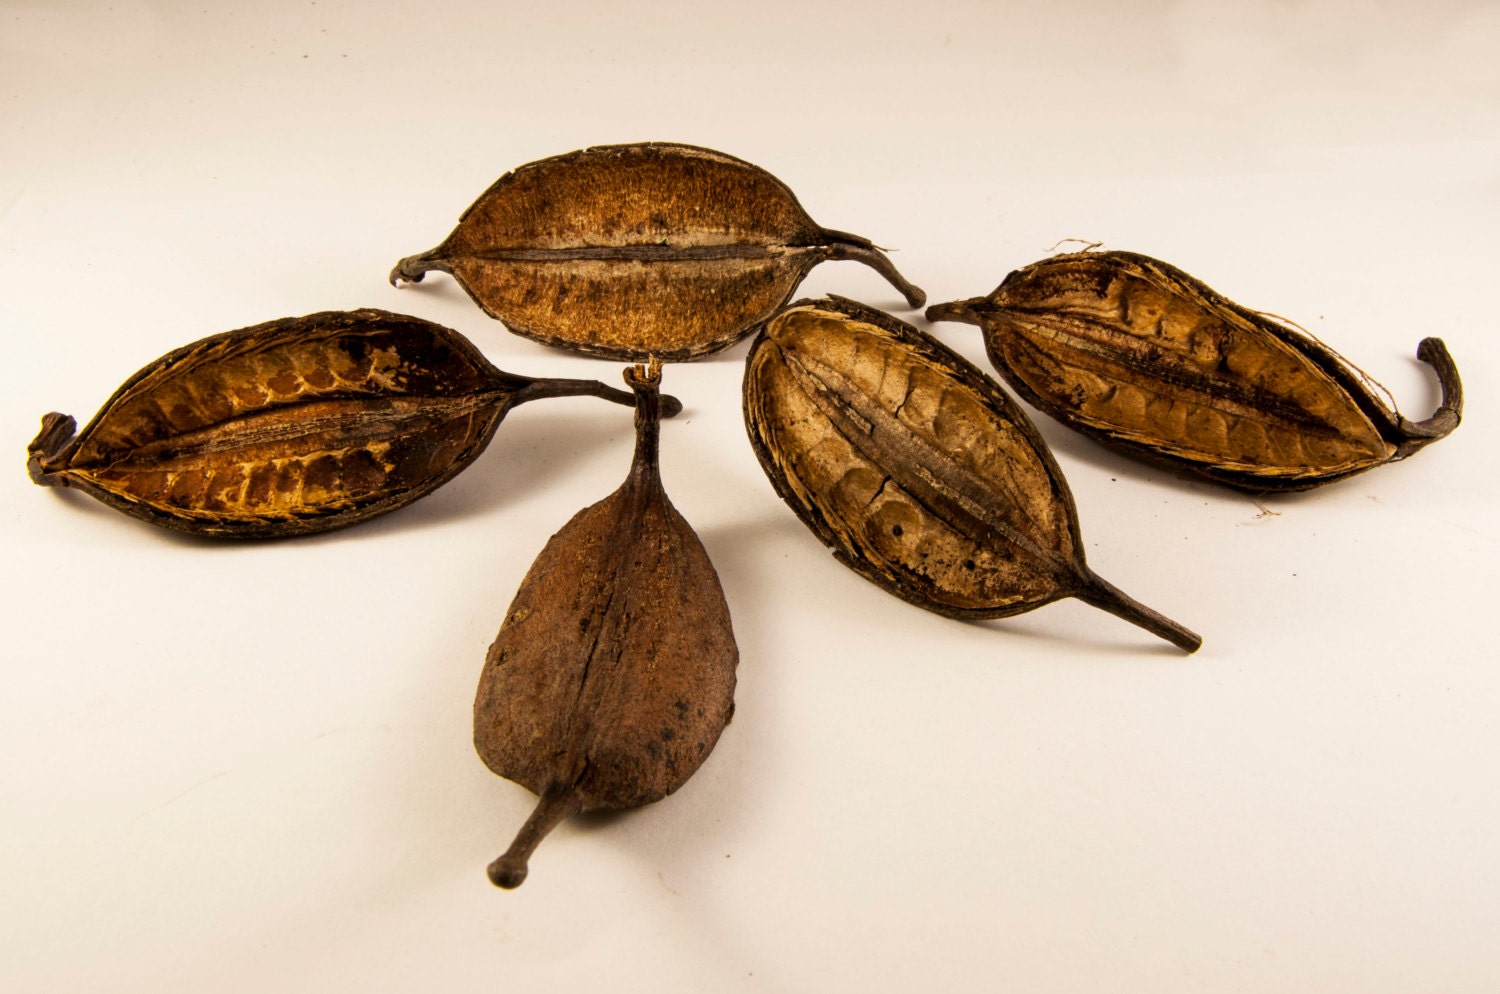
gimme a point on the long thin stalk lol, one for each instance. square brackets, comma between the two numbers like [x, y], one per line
[1107, 597]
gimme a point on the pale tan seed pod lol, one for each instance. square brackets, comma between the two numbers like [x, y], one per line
[917, 470]
[653, 250]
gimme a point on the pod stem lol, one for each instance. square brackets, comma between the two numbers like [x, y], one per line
[544, 388]
[1107, 597]
[414, 267]
[554, 807]
[645, 381]
[843, 245]
[1419, 433]
[956, 310]
[56, 431]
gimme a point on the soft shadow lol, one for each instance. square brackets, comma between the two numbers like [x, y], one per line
[529, 452]
[600, 821]
[1132, 642]
[531, 449]
[1071, 446]
[441, 286]
[896, 306]
[83, 504]
[732, 547]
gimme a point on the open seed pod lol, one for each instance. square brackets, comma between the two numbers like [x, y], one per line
[917, 470]
[613, 673]
[293, 426]
[1143, 357]
[639, 251]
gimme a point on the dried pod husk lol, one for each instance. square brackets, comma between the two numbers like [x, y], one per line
[1143, 357]
[652, 250]
[917, 470]
[613, 673]
[291, 427]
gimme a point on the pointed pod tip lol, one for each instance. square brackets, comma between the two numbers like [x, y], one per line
[1186, 640]
[507, 872]
[412, 268]
[842, 245]
[1450, 410]
[953, 310]
[1434, 352]
[551, 809]
[57, 430]
[1163, 627]
[1431, 348]
[1107, 597]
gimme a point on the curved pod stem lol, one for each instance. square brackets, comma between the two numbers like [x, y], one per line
[843, 245]
[1450, 411]
[542, 389]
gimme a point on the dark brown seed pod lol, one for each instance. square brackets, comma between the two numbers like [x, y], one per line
[293, 426]
[1143, 357]
[917, 470]
[639, 251]
[613, 673]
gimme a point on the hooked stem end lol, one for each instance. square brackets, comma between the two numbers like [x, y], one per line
[414, 267]
[1450, 411]
[541, 389]
[843, 245]
[57, 430]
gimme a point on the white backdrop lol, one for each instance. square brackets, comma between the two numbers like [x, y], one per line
[247, 767]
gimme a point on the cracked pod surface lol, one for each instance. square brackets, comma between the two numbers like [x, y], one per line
[917, 470]
[652, 250]
[1142, 357]
[291, 427]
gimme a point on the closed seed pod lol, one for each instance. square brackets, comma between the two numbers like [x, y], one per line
[917, 470]
[291, 427]
[1143, 357]
[632, 252]
[613, 673]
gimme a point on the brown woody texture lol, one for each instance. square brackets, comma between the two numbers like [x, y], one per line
[917, 470]
[291, 427]
[613, 673]
[651, 250]
[1143, 357]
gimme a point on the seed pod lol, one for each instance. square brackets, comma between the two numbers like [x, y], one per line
[1143, 357]
[639, 251]
[613, 673]
[293, 426]
[917, 470]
